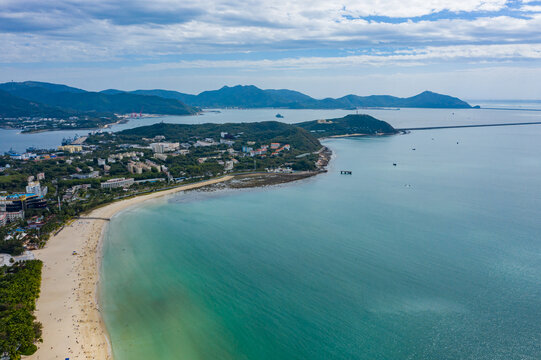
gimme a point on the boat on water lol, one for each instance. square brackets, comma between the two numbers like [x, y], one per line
[279, 116]
[69, 140]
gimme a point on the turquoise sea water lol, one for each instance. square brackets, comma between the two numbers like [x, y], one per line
[436, 258]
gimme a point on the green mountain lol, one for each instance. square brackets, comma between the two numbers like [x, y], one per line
[253, 97]
[72, 99]
[112, 91]
[426, 99]
[237, 96]
[168, 94]
[12, 106]
[348, 125]
[21, 88]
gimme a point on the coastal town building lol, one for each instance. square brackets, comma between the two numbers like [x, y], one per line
[228, 166]
[260, 151]
[156, 138]
[91, 175]
[285, 147]
[71, 193]
[11, 216]
[280, 170]
[153, 165]
[137, 167]
[206, 142]
[70, 148]
[163, 147]
[120, 156]
[117, 183]
[227, 142]
[140, 167]
[34, 187]
[159, 156]
[17, 202]
[25, 156]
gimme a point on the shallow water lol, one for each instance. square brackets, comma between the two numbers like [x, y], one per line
[438, 257]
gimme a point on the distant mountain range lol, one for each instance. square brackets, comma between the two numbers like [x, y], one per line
[45, 99]
[253, 97]
[32, 98]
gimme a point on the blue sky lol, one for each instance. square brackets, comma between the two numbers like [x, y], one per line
[474, 49]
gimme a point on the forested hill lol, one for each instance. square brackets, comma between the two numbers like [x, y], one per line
[253, 97]
[259, 132]
[12, 106]
[69, 99]
[349, 124]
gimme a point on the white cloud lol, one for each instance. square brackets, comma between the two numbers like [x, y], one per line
[407, 57]
[275, 11]
[531, 8]
[101, 40]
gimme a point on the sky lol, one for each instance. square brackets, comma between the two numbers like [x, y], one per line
[473, 49]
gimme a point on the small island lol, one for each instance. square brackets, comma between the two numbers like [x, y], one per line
[349, 125]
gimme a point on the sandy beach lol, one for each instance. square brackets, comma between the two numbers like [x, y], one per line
[68, 306]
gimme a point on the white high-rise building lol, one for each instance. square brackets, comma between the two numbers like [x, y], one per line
[34, 187]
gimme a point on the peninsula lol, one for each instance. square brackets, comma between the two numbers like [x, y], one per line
[349, 125]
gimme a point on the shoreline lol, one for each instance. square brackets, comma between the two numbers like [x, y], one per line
[68, 304]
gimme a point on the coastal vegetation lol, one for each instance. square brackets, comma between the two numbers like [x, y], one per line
[353, 124]
[259, 132]
[13, 246]
[19, 330]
